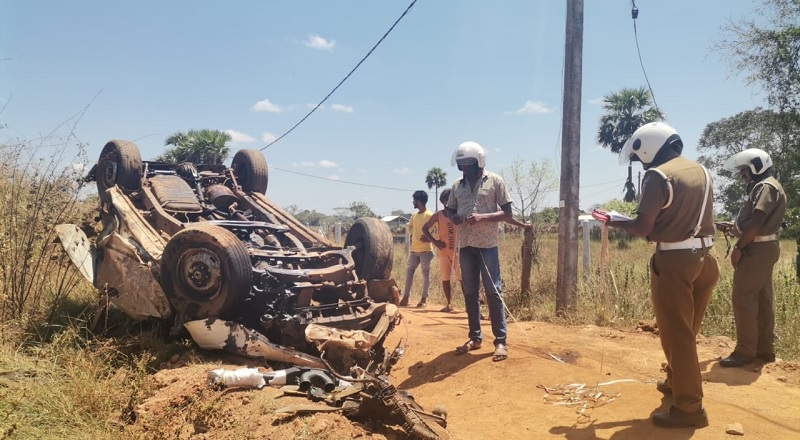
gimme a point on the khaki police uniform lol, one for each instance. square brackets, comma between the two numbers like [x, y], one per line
[753, 301]
[683, 270]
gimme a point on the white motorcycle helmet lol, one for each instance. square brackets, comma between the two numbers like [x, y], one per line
[757, 160]
[648, 140]
[468, 152]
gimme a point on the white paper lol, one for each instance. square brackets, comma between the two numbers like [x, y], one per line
[614, 216]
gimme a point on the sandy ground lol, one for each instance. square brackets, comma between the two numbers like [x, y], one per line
[514, 399]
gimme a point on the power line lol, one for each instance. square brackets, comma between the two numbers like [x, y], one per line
[634, 16]
[402, 189]
[345, 78]
[340, 181]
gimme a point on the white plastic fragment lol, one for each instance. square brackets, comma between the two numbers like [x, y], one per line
[734, 429]
[241, 378]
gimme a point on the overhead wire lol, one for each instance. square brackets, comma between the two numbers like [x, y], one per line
[339, 181]
[344, 79]
[634, 16]
[402, 189]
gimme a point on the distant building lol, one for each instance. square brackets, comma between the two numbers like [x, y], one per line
[397, 224]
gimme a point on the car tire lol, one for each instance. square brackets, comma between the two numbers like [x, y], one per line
[206, 272]
[251, 170]
[374, 251]
[120, 164]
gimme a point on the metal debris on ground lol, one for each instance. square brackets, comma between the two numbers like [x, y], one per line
[580, 396]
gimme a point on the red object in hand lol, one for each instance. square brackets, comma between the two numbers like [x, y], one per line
[600, 215]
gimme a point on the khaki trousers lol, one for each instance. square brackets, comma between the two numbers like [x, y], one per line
[681, 284]
[753, 300]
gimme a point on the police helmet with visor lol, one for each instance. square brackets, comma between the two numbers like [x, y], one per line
[648, 140]
[756, 159]
[468, 153]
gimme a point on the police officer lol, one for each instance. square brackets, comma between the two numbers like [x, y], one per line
[754, 257]
[675, 210]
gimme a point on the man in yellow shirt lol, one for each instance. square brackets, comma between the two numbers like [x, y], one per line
[420, 251]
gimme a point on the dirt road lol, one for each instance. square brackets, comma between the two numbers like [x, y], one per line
[513, 399]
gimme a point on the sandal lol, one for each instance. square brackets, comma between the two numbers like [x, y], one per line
[470, 345]
[447, 309]
[500, 353]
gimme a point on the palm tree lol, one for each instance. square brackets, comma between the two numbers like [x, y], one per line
[626, 111]
[197, 146]
[436, 178]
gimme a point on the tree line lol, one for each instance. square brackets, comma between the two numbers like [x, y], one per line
[767, 49]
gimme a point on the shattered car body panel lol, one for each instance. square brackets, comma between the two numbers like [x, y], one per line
[218, 334]
[202, 244]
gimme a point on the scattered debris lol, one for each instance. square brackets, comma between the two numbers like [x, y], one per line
[651, 327]
[735, 429]
[364, 395]
[581, 396]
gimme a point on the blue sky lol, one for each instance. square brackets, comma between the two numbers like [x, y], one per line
[451, 71]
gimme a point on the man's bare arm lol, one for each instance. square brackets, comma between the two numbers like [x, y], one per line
[427, 233]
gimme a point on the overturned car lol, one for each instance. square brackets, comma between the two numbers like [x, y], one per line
[203, 244]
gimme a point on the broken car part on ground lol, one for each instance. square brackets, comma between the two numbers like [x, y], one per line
[202, 244]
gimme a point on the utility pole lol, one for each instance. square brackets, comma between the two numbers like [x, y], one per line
[567, 279]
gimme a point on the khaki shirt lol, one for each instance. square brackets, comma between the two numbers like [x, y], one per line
[489, 194]
[768, 197]
[677, 218]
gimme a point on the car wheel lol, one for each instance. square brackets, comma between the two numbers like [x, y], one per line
[251, 170]
[206, 271]
[374, 252]
[120, 164]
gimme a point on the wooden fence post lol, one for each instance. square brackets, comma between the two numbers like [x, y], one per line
[527, 260]
[587, 250]
[603, 262]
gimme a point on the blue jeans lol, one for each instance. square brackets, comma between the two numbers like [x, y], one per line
[477, 263]
[419, 259]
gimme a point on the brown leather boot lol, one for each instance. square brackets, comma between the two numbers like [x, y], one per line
[736, 359]
[675, 418]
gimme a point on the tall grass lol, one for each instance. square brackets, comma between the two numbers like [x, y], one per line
[38, 191]
[625, 301]
[56, 380]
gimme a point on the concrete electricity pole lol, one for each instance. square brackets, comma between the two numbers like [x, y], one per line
[567, 279]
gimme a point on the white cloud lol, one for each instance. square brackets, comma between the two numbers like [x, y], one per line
[537, 107]
[342, 108]
[266, 106]
[595, 101]
[333, 177]
[312, 105]
[314, 41]
[237, 137]
[268, 137]
[303, 164]
[404, 170]
[324, 163]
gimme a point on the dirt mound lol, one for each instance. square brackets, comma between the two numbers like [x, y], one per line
[582, 382]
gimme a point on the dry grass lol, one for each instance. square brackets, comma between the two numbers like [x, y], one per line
[626, 299]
